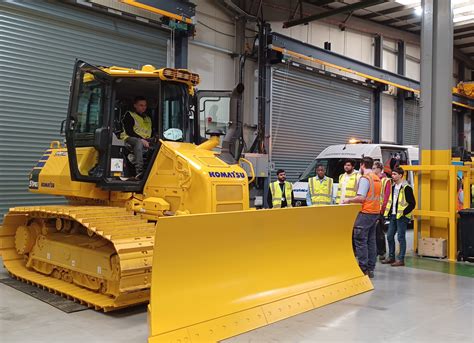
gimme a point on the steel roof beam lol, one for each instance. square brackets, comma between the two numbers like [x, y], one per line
[299, 47]
[398, 19]
[465, 45]
[409, 26]
[332, 12]
[385, 12]
[293, 46]
[466, 35]
[319, 2]
[463, 29]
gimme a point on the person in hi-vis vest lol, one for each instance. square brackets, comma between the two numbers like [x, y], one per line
[137, 126]
[280, 193]
[319, 188]
[400, 205]
[363, 233]
[379, 231]
[347, 187]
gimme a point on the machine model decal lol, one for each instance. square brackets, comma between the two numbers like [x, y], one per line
[47, 184]
[34, 175]
[60, 153]
[227, 175]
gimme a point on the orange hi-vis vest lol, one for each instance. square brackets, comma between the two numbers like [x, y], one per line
[460, 205]
[371, 204]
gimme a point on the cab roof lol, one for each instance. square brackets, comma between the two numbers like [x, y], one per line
[166, 74]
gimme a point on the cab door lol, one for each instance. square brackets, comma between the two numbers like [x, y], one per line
[88, 132]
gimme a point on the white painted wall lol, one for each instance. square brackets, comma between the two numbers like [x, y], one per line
[413, 67]
[215, 67]
[349, 43]
[389, 126]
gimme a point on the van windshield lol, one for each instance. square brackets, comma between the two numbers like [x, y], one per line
[334, 168]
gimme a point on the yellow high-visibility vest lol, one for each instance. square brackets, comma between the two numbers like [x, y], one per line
[351, 187]
[142, 126]
[320, 192]
[385, 180]
[402, 202]
[277, 194]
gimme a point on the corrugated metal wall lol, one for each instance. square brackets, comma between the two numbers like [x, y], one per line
[39, 42]
[411, 122]
[310, 112]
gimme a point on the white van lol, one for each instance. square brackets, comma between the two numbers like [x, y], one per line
[334, 156]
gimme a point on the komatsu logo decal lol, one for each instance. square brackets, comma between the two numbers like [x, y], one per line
[227, 175]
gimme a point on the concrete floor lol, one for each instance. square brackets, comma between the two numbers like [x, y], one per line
[407, 304]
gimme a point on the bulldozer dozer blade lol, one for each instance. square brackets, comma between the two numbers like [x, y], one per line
[218, 275]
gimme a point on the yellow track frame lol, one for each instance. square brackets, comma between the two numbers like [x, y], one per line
[131, 237]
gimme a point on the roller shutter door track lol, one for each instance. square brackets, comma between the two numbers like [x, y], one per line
[39, 42]
[309, 113]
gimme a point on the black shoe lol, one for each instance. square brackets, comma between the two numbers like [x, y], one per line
[388, 261]
[370, 274]
[381, 258]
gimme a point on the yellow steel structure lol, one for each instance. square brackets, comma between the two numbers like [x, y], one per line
[157, 11]
[435, 189]
[234, 272]
[467, 89]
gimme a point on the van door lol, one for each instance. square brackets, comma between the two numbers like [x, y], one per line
[396, 156]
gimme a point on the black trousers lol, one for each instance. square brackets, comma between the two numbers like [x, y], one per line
[380, 237]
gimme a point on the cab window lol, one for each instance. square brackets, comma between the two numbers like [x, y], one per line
[89, 111]
[173, 111]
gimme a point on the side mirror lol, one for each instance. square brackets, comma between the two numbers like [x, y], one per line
[101, 139]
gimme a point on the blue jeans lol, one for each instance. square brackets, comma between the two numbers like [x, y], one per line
[363, 239]
[398, 226]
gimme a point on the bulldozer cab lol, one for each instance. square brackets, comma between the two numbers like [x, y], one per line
[98, 102]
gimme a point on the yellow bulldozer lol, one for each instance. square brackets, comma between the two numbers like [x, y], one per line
[183, 236]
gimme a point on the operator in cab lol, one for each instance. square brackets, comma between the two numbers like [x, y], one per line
[137, 126]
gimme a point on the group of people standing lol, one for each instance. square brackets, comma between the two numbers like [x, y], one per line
[381, 197]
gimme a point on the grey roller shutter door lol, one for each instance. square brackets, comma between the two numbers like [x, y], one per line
[39, 42]
[310, 112]
[411, 122]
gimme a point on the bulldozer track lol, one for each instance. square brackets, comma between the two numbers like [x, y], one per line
[131, 237]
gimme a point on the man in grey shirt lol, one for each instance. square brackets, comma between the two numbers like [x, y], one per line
[368, 194]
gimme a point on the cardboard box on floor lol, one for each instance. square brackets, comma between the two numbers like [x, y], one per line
[432, 247]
